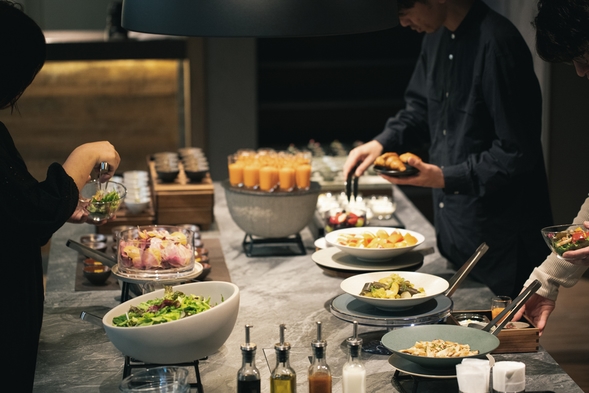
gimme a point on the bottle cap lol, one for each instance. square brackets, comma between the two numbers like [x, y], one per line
[319, 343]
[247, 346]
[354, 341]
[282, 346]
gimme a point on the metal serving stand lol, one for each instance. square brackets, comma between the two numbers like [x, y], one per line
[138, 284]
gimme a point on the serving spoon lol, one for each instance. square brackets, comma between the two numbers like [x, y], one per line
[103, 170]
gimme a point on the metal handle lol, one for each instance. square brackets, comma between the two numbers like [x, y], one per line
[506, 315]
[93, 319]
[461, 274]
[352, 184]
[91, 253]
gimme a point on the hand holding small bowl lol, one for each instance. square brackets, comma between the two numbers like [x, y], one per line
[102, 200]
[569, 239]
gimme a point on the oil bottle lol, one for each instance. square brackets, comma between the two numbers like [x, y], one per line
[248, 376]
[283, 378]
[320, 380]
[354, 372]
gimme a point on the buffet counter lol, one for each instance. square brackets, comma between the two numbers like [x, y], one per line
[76, 356]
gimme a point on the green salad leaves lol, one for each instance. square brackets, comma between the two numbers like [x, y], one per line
[172, 307]
[104, 203]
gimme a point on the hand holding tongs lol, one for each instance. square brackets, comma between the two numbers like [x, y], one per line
[352, 184]
[506, 315]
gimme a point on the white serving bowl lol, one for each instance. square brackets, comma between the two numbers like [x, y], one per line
[138, 205]
[185, 340]
[372, 254]
[433, 286]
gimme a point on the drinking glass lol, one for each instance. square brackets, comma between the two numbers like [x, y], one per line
[498, 304]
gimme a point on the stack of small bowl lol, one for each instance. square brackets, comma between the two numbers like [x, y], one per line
[138, 193]
[166, 166]
[195, 163]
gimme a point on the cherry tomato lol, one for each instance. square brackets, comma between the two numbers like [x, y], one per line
[579, 235]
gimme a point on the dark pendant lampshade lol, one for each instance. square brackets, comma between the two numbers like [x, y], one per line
[258, 18]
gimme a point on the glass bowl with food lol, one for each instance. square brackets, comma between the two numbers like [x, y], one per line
[154, 251]
[567, 237]
[102, 200]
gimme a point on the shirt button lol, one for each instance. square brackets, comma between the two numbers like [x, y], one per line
[447, 94]
[451, 57]
[441, 205]
[444, 132]
[453, 36]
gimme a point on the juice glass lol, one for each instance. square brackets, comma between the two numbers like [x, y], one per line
[498, 304]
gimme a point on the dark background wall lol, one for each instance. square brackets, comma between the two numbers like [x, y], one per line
[352, 94]
[568, 141]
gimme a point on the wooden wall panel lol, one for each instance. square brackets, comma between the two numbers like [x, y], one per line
[132, 103]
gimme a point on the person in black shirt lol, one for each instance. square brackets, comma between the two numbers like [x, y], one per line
[31, 211]
[475, 100]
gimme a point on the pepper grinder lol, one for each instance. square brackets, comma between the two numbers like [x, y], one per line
[248, 376]
[354, 372]
[320, 380]
[283, 378]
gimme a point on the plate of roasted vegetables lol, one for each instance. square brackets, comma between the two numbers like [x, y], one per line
[374, 244]
[394, 290]
[568, 237]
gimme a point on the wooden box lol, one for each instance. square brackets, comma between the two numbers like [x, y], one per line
[182, 201]
[512, 340]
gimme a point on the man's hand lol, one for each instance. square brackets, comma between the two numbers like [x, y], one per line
[537, 309]
[429, 175]
[364, 155]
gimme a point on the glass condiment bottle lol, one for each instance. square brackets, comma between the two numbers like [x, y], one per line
[283, 378]
[354, 372]
[319, 372]
[248, 376]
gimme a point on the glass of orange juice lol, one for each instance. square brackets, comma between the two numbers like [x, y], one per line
[498, 304]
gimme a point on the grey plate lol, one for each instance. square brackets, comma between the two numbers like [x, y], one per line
[411, 368]
[350, 309]
[405, 338]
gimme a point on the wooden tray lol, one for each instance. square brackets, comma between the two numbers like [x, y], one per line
[182, 201]
[512, 340]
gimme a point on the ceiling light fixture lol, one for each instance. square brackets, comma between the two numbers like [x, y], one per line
[258, 18]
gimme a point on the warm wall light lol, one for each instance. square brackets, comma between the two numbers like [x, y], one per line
[258, 18]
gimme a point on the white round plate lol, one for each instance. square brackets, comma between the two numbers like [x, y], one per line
[372, 254]
[333, 258]
[320, 243]
[173, 278]
[433, 286]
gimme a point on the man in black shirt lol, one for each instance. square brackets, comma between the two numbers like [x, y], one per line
[474, 98]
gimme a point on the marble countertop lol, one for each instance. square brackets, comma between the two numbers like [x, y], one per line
[76, 356]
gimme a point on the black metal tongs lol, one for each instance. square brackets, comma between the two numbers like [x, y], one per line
[352, 184]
